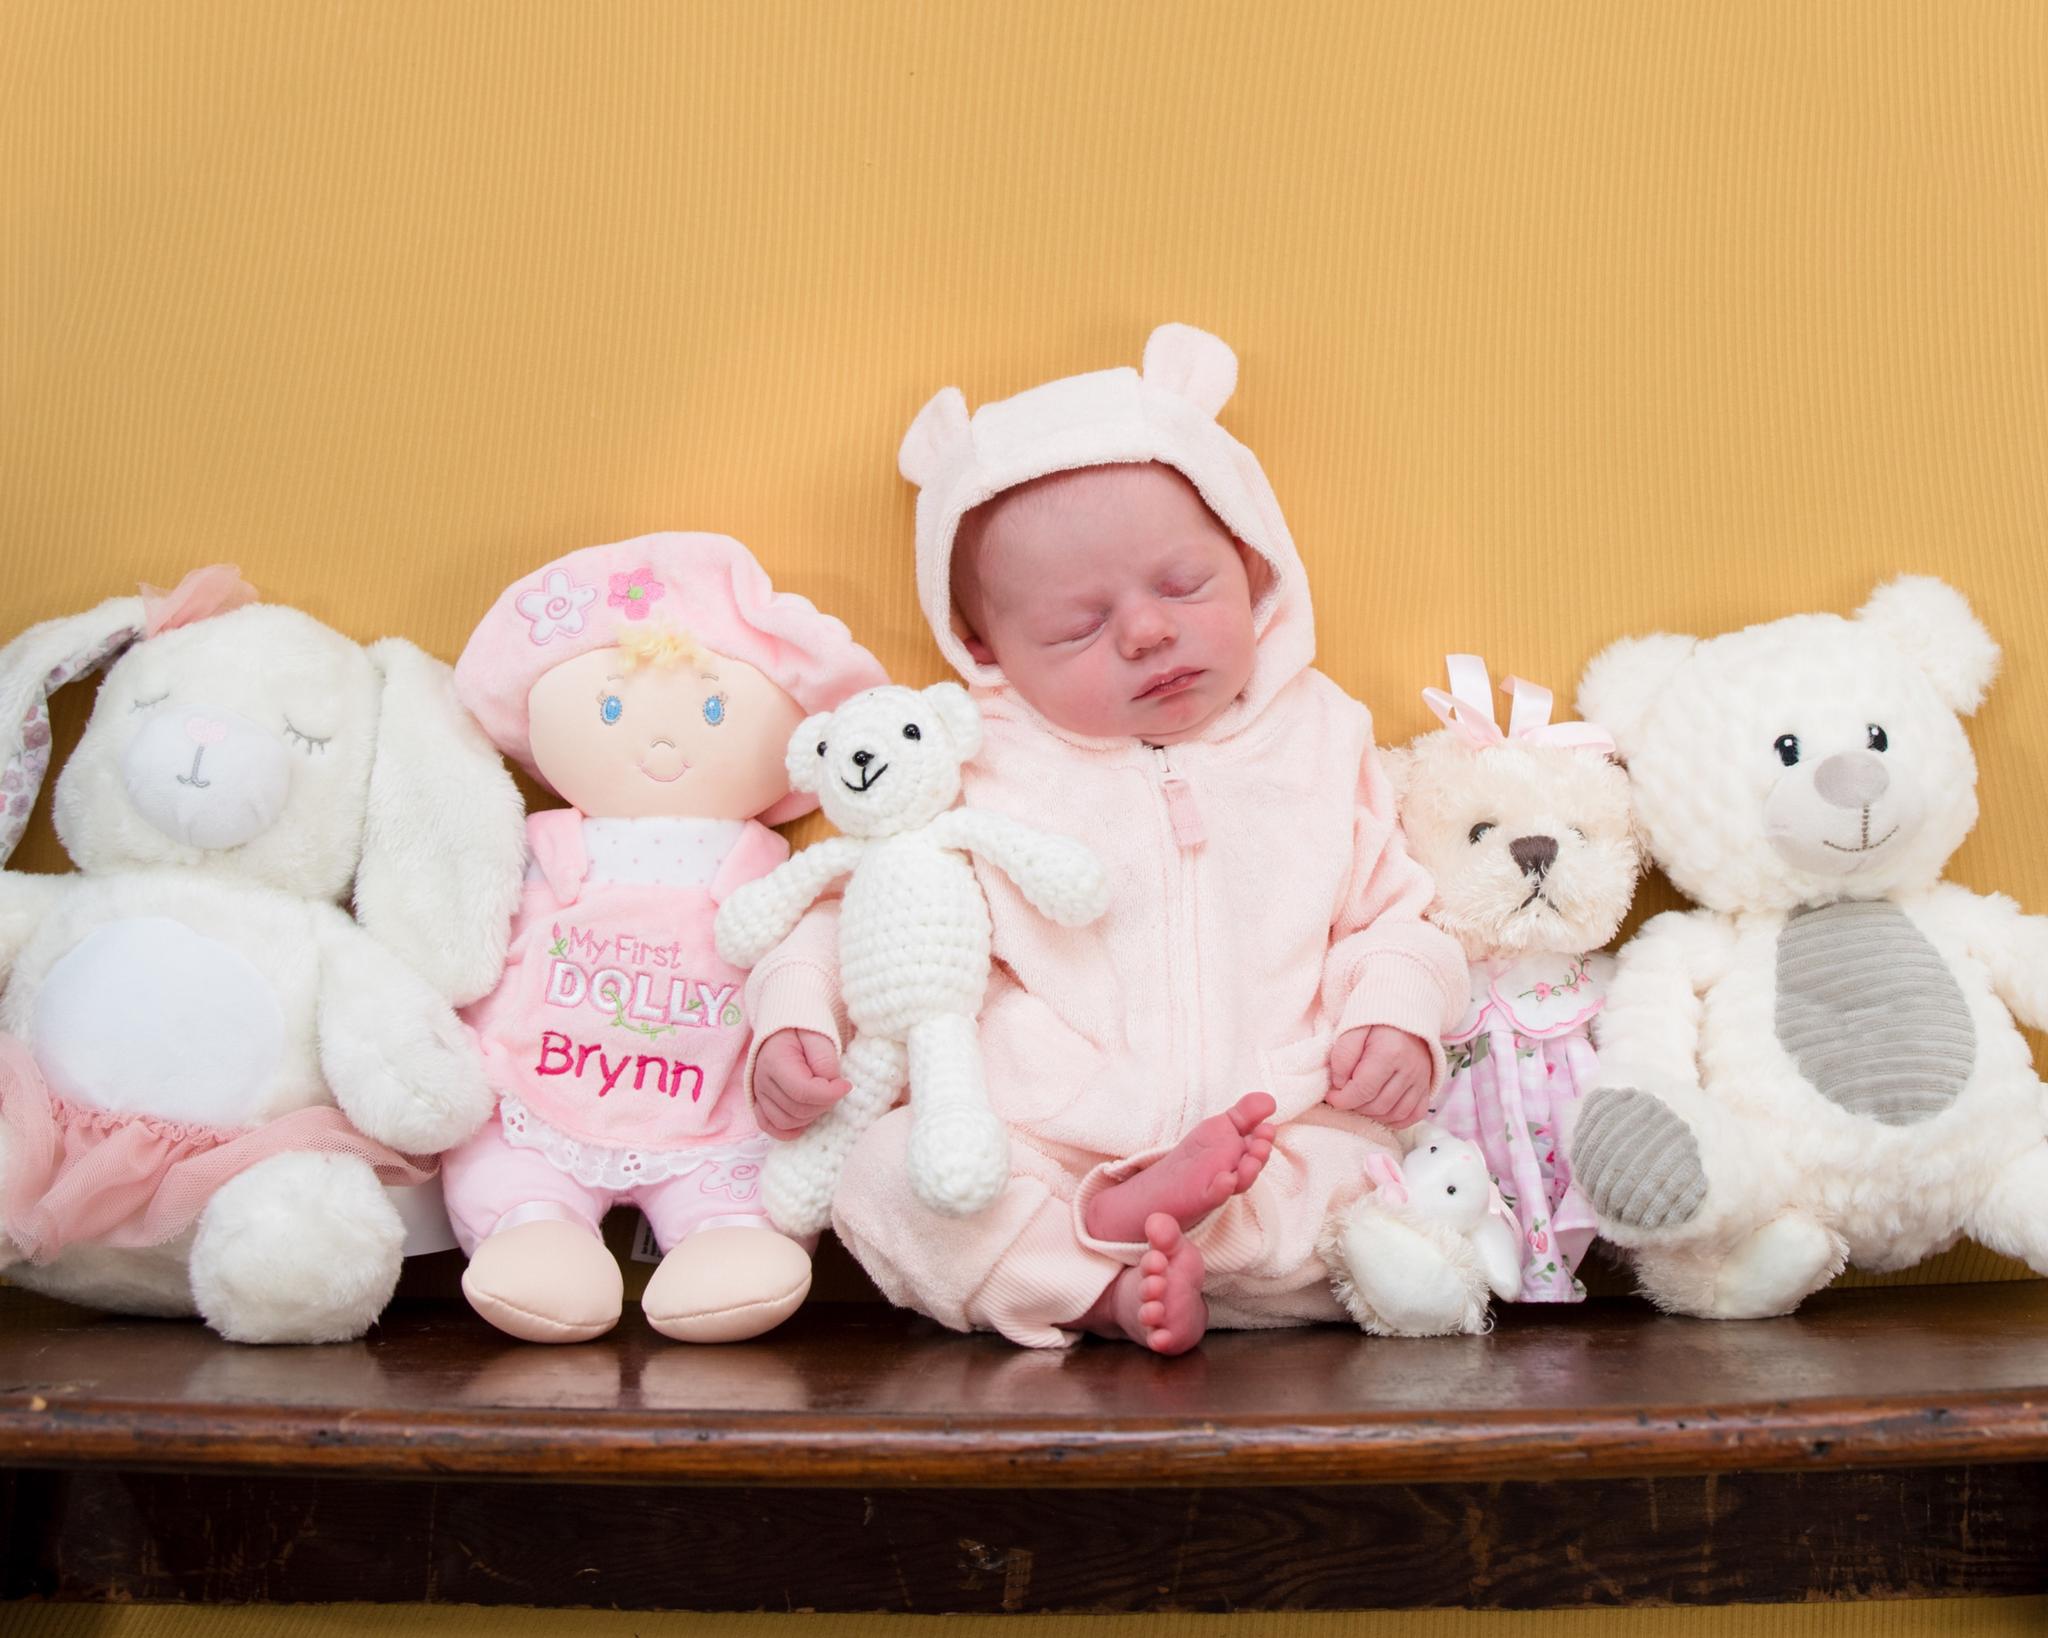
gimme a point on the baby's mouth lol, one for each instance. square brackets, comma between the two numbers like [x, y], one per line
[1171, 682]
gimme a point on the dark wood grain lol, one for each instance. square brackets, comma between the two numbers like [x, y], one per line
[856, 1396]
[1918, 1533]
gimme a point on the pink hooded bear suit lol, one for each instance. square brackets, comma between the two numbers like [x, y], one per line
[1262, 904]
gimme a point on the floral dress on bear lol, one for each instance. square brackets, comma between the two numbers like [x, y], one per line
[1520, 1064]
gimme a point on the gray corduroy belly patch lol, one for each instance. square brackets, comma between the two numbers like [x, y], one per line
[1871, 1014]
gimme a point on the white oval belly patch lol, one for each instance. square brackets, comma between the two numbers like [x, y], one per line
[147, 1016]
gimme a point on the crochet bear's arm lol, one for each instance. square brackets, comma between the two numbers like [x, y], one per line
[1649, 1030]
[24, 901]
[2012, 945]
[758, 915]
[1062, 879]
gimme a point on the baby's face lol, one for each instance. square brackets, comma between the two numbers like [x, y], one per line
[632, 741]
[1112, 598]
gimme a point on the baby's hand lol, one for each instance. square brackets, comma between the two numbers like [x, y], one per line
[796, 1079]
[1382, 1073]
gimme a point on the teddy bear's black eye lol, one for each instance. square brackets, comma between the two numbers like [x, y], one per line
[821, 747]
[1478, 831]
[1787, 747]
[1878, 738]
[1451, 1188]
[1432, 1148]
[912, 731]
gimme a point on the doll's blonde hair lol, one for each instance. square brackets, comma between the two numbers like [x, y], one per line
[664, 646]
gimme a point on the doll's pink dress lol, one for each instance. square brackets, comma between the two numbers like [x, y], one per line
[1521, 1061]
[617, 1037]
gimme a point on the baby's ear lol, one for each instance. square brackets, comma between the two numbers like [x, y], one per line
[1195, 364]
[934, 437]
[960, 716]
[1931, 623]
[802, 761]
[1624, 680]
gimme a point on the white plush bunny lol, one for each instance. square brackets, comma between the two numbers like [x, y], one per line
[1442, 1191]
[913, 939]
[181, 1017]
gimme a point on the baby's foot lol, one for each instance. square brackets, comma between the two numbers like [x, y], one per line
[1221, 1157]
[1158, 1304]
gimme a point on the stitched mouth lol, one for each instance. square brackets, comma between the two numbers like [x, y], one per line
[1867, 846]
[1537, 896]
[193, 778]
[868, 776]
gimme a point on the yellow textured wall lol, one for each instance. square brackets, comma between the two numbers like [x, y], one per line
[1557, 321]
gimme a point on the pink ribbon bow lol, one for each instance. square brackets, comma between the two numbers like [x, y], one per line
[212, 590]
[1467, 710]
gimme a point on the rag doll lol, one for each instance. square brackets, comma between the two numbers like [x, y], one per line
[653, 685]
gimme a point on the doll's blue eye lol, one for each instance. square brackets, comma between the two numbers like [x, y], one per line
[714, 710]
[611, 708]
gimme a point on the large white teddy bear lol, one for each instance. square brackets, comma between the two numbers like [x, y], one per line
[913, 939]
[1818, 1065]
[182, 1016]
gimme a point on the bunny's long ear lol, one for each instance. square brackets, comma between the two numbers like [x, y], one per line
[32, 668]
[444, 840]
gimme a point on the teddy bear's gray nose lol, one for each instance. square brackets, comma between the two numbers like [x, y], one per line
[1852, 779]
[862, 758]
[1534, 854]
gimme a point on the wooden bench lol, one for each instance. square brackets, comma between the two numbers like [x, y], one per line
[1883, 1443]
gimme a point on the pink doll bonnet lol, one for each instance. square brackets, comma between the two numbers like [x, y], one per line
[1164, 412]
[707, 586]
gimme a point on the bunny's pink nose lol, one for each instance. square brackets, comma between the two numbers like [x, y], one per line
[205, 730]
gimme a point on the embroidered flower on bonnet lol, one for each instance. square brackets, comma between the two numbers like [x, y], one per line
[557, 608]
[636, 592]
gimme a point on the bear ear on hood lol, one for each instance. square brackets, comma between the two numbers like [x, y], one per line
[1930, 622]
[1397, 762]
[1624, 680]
[1195, 364]
[934, 437]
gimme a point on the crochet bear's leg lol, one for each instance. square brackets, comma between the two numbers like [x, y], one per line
[959, 1150]
[1768, 1272]
[2013, 1215]
[299, 1248]
[801, 1174]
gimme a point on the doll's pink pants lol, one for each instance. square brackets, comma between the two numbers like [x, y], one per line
[492, 1184]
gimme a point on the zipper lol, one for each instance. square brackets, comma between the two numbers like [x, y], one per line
[1183, 960]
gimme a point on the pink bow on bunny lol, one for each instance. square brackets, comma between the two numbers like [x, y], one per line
[212, 590]
[1467, 710]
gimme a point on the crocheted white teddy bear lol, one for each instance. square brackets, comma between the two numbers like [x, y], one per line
[1818, 1065]
[913, 939]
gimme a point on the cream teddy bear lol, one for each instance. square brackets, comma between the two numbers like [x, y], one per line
[913, 939]
[1818, 1065]
[1527, 833]
[183, 1015]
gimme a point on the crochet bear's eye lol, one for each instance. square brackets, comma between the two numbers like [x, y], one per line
[821, 747]
[714, 710]
[1787, 747]
[1432, 1148]
[1450, 1188]
[1480, 829]
[1878, 739]
[610, 708]
[912, 731]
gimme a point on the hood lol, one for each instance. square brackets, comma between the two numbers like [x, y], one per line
[1165, 412]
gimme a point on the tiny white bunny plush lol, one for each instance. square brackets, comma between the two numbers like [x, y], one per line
[207, 1068]
[913, 939]
[1442, 1190]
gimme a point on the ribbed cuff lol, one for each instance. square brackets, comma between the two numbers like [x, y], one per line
[1042, 1282]
[797, 995]
[1228, 1238]
[1397, 989]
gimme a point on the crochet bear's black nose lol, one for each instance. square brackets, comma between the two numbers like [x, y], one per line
[1534, 854]
[862, 758]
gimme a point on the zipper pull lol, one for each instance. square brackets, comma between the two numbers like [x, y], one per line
[1182, 810]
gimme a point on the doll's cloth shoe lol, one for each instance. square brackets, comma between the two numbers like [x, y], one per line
[549, 1281]
[727, 1284]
